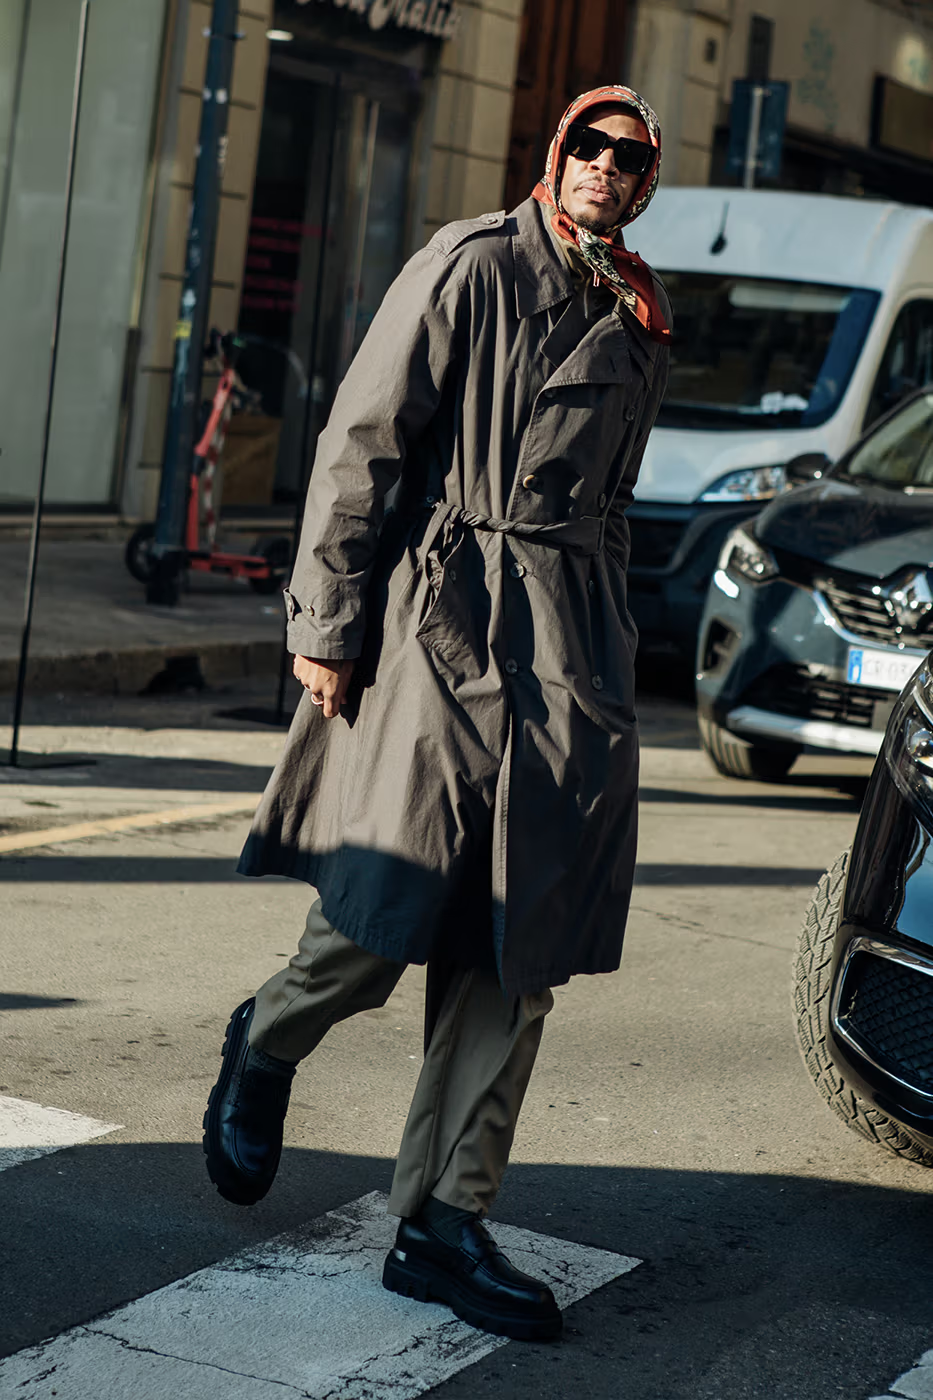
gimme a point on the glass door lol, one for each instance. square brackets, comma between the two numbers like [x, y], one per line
[327, 237]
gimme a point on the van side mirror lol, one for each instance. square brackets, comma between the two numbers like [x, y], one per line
[809, 466]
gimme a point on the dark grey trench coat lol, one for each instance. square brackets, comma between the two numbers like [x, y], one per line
[491, 717]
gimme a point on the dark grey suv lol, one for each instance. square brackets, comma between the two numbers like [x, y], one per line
[822, 606]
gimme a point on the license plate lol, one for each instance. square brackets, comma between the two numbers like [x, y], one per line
[880, 669]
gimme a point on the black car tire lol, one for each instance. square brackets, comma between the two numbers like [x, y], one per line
[734, 758]
[811, 1012]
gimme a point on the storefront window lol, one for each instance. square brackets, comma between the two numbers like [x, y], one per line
[123, 59]
[332, 181]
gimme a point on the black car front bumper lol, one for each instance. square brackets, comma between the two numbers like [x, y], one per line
[880, 1024]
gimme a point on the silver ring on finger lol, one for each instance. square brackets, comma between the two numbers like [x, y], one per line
[317, 699]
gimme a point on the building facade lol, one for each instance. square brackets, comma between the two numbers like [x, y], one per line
[356, 128]
[860, 114]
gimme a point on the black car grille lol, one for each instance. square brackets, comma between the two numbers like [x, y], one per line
[792, 690]
[890, 1009]
[654, 542]
[863, 612]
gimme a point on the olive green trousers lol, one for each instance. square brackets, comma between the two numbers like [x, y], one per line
[480, 1050]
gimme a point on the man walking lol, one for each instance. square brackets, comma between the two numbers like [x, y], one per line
[460, 780]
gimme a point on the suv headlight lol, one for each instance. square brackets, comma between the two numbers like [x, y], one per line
[908, 743]
[750, 484]
[742, 554]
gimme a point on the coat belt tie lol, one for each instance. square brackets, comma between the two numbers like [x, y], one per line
[583, 536]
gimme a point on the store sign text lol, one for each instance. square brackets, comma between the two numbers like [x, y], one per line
[439, 18]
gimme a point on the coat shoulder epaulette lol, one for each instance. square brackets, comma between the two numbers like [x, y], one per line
[451, 236]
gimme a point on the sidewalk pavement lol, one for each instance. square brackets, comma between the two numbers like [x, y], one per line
[94, 632]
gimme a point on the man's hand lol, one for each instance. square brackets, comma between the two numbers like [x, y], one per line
[326, 680]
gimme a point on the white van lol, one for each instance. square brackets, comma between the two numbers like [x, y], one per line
[798, 320]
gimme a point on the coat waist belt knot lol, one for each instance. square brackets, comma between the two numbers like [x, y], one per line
[583, 536]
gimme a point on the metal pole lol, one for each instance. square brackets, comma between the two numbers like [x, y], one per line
[304, 474]
[191, 326]
[53, 364]
[754, 132]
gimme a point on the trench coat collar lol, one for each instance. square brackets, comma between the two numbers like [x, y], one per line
[542, 279]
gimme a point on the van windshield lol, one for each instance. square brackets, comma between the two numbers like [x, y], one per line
[749, 352]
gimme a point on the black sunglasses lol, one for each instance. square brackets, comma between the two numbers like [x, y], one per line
[588, 142]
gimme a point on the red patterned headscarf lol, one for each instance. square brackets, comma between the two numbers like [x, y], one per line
[628, 276]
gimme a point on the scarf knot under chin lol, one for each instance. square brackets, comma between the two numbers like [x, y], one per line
[628, 275]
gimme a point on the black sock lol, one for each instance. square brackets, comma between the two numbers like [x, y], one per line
[447, 1221]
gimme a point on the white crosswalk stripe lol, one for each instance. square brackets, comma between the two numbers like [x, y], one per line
[915, 1384]
[29, 1130]
[304, 1314]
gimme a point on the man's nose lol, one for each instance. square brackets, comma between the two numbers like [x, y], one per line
[606, 161]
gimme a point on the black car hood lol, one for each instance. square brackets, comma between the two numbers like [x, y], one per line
[862, 529]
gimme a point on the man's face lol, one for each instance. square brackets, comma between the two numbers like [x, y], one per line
[594, 192]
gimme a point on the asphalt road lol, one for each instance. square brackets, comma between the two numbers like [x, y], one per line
[670, 1118]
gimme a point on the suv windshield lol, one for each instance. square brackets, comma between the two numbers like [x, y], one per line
[900, 453]
[750, 353]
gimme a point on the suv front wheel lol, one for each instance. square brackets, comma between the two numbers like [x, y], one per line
[735, 758]
[812, 969]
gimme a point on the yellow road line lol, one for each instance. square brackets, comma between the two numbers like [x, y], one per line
[24, 840]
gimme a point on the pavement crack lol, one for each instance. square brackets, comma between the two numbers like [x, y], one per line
[690, 926]
[193, 1361]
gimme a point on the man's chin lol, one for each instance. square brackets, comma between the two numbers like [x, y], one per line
[598, 223]
[598, 218]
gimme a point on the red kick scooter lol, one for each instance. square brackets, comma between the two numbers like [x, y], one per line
[266, 567]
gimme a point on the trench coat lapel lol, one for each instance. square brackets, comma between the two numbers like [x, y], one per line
[541, 279]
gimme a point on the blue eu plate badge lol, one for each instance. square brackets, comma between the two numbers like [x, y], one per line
[855, 665]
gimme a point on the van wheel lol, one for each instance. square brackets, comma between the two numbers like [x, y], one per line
[734, 758]
[811, 1014]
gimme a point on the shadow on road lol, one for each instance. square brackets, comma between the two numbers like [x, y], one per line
[166, 773]
[809, 801]
[191, 870]
[22, 1001]
[751, 1285]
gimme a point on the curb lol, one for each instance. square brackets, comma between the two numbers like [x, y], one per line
[128, 671]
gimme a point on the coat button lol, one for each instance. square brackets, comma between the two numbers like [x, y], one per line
[517, 571]
[597, 682]
[630, 412]
[511, 667]
[529, 481]
[602, 500]
[452, 575]
[591, 586]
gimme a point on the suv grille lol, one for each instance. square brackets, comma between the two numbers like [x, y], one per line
[792, 690]
[890, 1008]
[654, 542]
[863, 612]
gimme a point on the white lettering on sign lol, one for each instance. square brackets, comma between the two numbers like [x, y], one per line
[439, 18]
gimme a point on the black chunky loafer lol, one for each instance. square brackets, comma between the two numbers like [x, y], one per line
[246, 1115]
[439, 1258]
